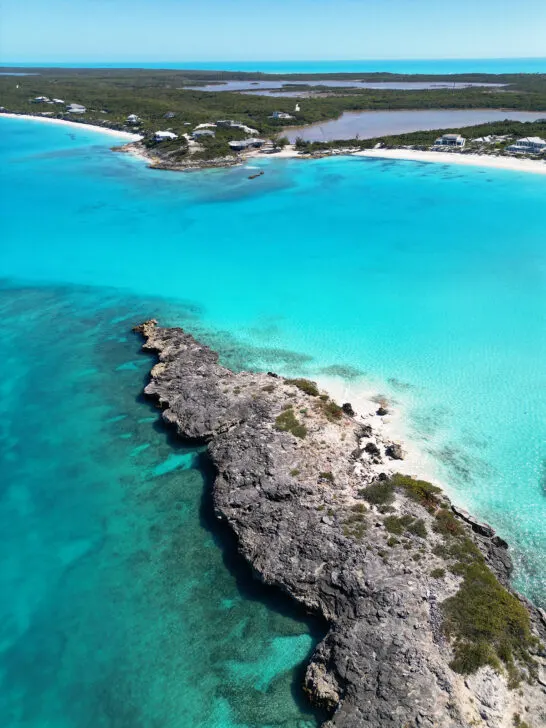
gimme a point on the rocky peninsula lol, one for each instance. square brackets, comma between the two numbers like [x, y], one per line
[424, 629]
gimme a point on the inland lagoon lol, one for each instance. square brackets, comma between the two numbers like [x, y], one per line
[122, 602]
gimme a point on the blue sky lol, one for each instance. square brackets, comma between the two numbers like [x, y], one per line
[156, 30]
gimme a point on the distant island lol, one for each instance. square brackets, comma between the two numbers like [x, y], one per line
[423, 627]
[182, 127]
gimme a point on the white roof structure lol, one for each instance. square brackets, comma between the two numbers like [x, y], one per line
[58, 101]
[205, 126]
[161, 135]
[76, 108]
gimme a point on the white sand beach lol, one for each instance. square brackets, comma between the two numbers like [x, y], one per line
[535, 166]
[393, 427]
[125, 135]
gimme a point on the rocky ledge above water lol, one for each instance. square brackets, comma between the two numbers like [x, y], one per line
[422, 631]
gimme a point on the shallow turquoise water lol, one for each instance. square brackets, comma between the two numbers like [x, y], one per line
[428, 278]
[119, 607]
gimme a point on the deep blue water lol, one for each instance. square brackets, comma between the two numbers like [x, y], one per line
[427, 66]
[118, 607]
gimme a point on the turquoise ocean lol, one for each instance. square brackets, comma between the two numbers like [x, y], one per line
[121, 603]
[398, 65]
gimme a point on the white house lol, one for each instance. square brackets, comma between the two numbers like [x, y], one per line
[76, 109]
[133, 119]
[205, 126]
[161, 136]
[41, 100]
[280, 115]
[528, 145]
[58, 101]
[450, 140]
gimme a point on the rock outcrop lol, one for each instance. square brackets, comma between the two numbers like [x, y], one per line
[289, 484]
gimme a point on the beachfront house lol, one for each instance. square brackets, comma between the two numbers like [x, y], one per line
[76, 109]
[528, 145]
[203, 134]
[281, 115]
[450, 140]
[133, 119]
[243, 144]
[162, 136]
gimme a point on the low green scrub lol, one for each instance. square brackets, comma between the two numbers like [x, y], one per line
[306, 385]
[381, 492]
[288, 422]
[446, 524]
[326, 476]
[397, 524]
[332, 410]
[438, 573]
[418, 490]
[355, 523]
[418, 528]
[488, 624]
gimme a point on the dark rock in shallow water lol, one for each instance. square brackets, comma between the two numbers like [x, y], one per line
[348, 409]
[394, 451]
[385, 661]
[382, 411]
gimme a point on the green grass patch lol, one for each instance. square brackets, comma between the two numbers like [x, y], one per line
[288, 422]
[306, 385]
[438, 573]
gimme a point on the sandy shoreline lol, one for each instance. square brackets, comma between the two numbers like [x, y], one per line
[125, 135]
[534, 166]
[393, 427]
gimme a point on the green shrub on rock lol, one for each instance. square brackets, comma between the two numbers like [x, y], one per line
[380, 492]
[287, 422]
[306, 385]
[488, 624]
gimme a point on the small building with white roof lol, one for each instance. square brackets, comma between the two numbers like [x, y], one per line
[161, 136]
[281, 115]
[76, 109]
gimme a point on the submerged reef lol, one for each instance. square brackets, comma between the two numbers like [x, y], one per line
[424, 628]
